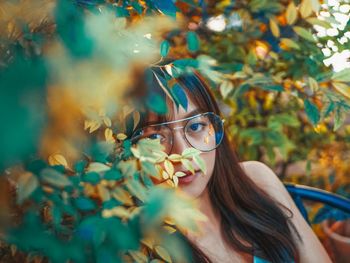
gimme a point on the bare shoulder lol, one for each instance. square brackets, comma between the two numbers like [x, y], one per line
[310, 249]
[262, 175]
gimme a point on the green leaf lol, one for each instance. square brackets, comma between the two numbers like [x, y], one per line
[304, 33]
[136, 189]
[149, 169]
[253, 135]
[137, 7]
[192, 41]
[54, 178]
[84, 204]
[316, 21]
[166, 6]
[91, 177]
[156, 103]
[186, 62]
[179, 95]
[121, 12]
[112, 175]
[327, 110]
[80, 166]
[200, 162]
[312, 112]
[339, 119]
[56, 215]
[187, 164]
[272, 87]
[308, 168]
[190, 152]
[226, 88]
[164, 48]
[342, 76]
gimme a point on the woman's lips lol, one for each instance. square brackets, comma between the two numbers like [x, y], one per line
[188, 178]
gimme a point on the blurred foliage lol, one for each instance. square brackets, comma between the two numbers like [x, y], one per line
[66, 66]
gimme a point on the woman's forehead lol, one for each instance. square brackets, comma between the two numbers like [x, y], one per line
[176, 113]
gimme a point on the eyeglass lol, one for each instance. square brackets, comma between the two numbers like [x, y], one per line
[203, 131]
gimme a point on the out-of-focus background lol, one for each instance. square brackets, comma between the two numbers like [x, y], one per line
[279, 69]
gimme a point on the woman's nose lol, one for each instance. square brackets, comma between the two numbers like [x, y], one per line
[179, 141]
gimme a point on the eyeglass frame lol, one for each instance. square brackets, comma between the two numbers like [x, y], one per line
[187, 119]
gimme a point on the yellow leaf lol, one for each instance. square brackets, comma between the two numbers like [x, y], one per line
[148, 241]
[87, 124]
[118, 211]
[305, 8]
[94, 126]
[163, 253]
[169, 168]
[127, 109]
[123, 196]
[135, 152]
[180, 174]
[107, 213]
[175, 157]
[342, 88]
[107, 121]
[109, 135]
[171, 183]
[103, 193]
[134, 211]
[289, 43]
[58, 159]
[169, 221]
[315, 5]
[274, 28]
[176, 181]
[121, 136]
[138, 256]
[313, 84]
[136, 117]
[97, 167]
[170, 229]
[291, 13]
[13, 250]
[89, 189]
[165, 175]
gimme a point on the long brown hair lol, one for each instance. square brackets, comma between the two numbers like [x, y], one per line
[247, 212]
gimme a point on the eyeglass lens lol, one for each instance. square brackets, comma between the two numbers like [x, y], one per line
[203, 132]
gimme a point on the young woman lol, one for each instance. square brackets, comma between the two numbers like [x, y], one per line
[251, 216]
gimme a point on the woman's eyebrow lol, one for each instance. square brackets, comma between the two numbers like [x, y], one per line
[191, 113]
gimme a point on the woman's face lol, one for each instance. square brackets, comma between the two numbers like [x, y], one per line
[192, 185]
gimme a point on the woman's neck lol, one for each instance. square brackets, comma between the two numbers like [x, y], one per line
[207, 208]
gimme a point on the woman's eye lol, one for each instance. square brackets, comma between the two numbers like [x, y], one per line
[155, 136]
[197, 126]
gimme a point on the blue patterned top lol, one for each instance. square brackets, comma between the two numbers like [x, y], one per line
[256, 259]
